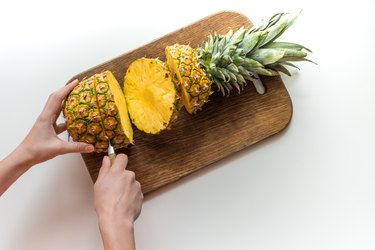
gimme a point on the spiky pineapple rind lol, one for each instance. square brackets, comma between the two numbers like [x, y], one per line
[113, 110]
[190, 79]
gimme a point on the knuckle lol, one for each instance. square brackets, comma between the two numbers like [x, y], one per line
[123, 177]
[130, 174]
[52, 96]
[139, 187]
[42, 118]
[123, 158]
[55, 96]
[77, 146]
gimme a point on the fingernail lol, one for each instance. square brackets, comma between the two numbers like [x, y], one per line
[75, 81]
[89, 148]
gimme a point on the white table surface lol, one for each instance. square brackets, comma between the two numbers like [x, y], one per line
[311, 187]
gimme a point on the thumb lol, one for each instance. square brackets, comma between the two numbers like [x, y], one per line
[77, 147]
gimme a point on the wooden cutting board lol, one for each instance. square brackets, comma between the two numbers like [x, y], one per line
[224, 126]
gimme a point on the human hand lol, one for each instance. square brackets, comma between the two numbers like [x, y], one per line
[42, 142]
[118, 203]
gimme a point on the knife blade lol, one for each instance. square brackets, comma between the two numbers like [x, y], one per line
[111, 152]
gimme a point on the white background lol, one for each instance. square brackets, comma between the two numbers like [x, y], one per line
[311, 187]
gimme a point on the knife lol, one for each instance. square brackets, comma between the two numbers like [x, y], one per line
[111, 152]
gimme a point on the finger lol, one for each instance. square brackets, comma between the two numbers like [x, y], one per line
[53, 105]
[64, 91]
[120, 162]
[59, 128]
[106, 165]
[76, 147]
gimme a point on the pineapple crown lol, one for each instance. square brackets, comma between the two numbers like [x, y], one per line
[231, 59]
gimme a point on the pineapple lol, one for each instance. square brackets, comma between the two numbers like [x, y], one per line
[189, 76]
[229, 61]
[150, 95]
[96, 112]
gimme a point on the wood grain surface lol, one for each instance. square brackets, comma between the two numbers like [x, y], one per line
[224, 126]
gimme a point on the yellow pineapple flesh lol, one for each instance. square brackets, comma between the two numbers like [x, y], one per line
[150, 95]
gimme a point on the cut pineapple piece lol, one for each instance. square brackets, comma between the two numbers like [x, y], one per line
[189, 76]
[150, 95]
[95, 112]
[119, 99]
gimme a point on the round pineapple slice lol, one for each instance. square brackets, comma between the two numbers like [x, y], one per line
[95, 112]
[150, 95]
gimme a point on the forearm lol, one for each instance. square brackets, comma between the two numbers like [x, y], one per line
[13, 166]
[118, 203]
[118, 235]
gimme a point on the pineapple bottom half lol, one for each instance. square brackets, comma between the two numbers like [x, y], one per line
[96, 113]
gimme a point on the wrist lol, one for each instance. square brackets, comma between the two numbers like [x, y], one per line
[25, 156]
[109, 222]
[117, 234]
[12, 167]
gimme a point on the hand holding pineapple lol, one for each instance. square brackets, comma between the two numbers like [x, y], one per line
[118, 196]
[42, 142]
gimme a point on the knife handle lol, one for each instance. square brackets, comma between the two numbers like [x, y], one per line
[112, 158]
